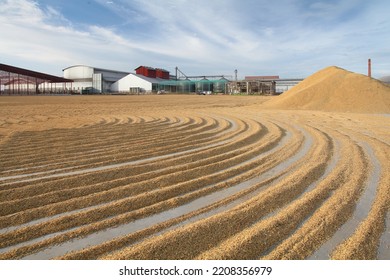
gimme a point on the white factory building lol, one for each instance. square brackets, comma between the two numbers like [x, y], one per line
[89, 79]
[135, 83]
[92, 80]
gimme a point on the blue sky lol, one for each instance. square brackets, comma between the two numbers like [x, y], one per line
[289, 38]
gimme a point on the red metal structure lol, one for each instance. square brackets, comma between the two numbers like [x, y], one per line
[152, 72]
[162, 73]
[14, 80]
[146, 71]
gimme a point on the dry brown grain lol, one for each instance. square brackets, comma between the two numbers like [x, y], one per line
[335, 89]
[205, 144]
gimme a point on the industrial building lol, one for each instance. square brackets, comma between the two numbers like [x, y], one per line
[135, 84]
[201, 85]
[145, 80]
[89, 79]
[152, 72]
[254, 85]
[15, 80]
[82, 79]
[183, 83]
[148, 79]
[267, 85]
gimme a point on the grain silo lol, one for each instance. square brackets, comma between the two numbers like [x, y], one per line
[219, 85]
[203, 85]
[185, 86]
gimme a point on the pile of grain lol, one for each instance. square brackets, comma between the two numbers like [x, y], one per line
[335, 89]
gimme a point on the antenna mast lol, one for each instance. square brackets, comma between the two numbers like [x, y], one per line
[181, 73]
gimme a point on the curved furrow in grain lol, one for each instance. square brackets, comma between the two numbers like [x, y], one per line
[225, 127]
[121, 176]
[83, 180]
[361, 235]
[233, 220]
[74, 157]
[201, 208]
[127, 139]
[77, 138]
[222, 184]
[31, 139]
[263, 237]
[52, 197]
[68, 148]
[230, 187]
[129, 190]
[212, 179]
[122, 155]
[285, 152]
[4, 207]
[330, 215]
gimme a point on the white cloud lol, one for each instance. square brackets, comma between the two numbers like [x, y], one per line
[21, 11]
[30, 35]
[257, 37]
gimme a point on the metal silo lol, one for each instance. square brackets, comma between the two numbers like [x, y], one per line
[219, 85]
[184, 86]
[191, 85]
[203, 85]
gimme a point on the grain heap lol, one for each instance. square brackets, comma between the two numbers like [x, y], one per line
[335, 89]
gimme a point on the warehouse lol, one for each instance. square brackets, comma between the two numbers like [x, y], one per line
[135, 84]
[89, 79]
[145, 80]
[15, 80]
[267, 85]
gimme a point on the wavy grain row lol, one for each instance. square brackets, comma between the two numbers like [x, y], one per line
[267, 188]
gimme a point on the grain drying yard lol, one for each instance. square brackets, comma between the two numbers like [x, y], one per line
[195, 177]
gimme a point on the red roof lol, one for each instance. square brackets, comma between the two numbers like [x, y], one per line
[34, 74]
[151, 68]
[146, 67]
[162, 70]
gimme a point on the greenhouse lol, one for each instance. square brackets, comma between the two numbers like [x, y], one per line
[192, 86]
